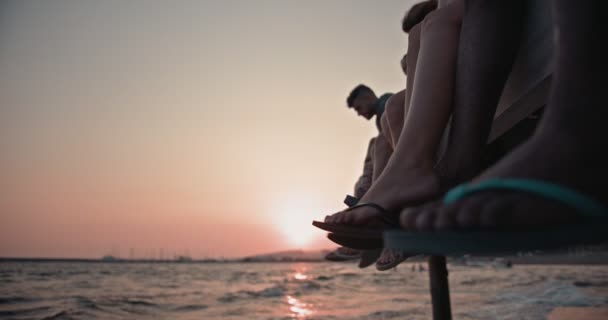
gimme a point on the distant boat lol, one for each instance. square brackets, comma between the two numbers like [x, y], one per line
[109, 258]
[183, 259]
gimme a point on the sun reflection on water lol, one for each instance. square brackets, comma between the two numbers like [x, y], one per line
[300, 276]
[298, 308]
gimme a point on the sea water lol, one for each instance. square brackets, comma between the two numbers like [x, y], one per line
[86, 290]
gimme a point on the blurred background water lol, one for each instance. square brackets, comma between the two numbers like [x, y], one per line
[88, 290]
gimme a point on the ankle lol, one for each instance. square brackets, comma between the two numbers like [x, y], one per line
[454, 171]
[416, 164]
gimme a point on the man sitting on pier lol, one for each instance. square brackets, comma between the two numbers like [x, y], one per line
[365, 103]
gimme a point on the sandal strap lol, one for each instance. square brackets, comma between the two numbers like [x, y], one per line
[387, 216]
[584, 204]
[369, 204]
[350, 200]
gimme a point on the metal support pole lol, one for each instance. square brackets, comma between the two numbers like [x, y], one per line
[440, 291]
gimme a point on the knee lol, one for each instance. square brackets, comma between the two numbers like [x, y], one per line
[395, 113]
[385, 127]
[395, 106]
[446, 19]
[382, 146]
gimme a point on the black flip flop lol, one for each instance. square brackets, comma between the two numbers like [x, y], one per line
[357, 241]
[398, 257]
[369, 257]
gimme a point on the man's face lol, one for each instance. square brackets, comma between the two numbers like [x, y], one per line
[364, 105]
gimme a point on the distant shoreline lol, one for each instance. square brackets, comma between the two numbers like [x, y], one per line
[193, 261]
[547, 259]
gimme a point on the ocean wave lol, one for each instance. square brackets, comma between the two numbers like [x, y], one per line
[350, 275]
[270, 292]
[471, 282]
[506, 312]
[527, 283]
[263, 292]
[22, 312]
[167, 295]
[309, 285]
[240, 275]
[10, 300]
[61, 315]
[85, 302]
[130, 306]
[85, 284]
[236, 312]
[140, 303]
[551, 293]
[590, 283]
[387, 314]
[276, 291]
[190, 307]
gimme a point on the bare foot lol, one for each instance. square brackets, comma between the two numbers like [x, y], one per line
[392, 192]
[390, 258]
[343, 254]
[555, 159]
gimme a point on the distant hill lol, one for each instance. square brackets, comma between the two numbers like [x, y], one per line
[288, 256]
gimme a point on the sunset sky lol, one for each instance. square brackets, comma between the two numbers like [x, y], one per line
[208, 128]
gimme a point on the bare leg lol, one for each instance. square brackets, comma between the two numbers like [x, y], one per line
[394, 115]
[382, 152]
[392, 124]
[567, 148]
[408, 177]
[489, 40]
[413, 49]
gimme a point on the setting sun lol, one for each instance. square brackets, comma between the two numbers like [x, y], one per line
[293, 216]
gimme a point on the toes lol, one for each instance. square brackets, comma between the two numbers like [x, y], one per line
[351, 217]
[487, 210]
[340, 217]
[357, 216]
[495, 210]
[386, 256]
[332, 218]
[419, 218]
[469, 211]
[407, 218]
[446, 217]
[426, 219]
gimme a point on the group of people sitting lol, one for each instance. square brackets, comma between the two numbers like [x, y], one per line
[433, 133]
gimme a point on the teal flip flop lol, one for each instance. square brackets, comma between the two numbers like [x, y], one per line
[583, 204]
[593, 229]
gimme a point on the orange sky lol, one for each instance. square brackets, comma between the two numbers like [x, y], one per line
[213, 128]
